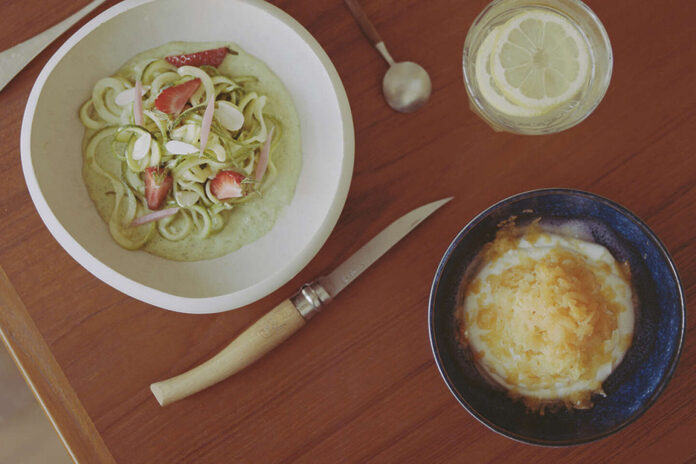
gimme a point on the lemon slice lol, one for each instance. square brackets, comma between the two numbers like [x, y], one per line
[540, 60]
[487, 86]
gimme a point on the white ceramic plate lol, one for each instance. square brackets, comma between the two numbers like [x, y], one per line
[52, 158]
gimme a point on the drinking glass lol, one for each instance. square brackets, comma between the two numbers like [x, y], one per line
[504, 115]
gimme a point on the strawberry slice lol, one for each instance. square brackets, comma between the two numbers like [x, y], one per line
[158, 182]
[173, 99]
[227, 184]
[211, 57]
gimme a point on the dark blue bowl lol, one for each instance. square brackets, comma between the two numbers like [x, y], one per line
[648, 365]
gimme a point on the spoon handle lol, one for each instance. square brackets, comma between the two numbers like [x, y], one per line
[365, 24]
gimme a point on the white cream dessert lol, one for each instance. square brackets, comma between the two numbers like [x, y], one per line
[547, 317]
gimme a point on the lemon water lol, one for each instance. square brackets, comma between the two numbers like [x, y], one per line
[536, 68]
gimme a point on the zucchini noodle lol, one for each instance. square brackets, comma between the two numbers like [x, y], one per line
[200, 213]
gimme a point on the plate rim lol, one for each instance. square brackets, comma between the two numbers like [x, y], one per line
[159, 298]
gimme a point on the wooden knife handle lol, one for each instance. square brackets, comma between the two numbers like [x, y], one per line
[365, 24]
[264, 335]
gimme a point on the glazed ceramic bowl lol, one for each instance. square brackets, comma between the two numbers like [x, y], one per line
[650, 361]
[52, 157]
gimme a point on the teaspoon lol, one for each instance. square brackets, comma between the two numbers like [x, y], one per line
[406, 85]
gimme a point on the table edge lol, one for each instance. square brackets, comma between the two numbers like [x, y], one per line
[47, 380]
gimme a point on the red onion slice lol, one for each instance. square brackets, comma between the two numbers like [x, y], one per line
[138, 103]
[263, 156]
[154, 216]
[207, 120]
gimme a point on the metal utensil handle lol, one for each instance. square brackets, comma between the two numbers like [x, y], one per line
[14, 59]
[365, 24]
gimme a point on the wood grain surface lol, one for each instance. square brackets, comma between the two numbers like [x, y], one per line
[359, 384]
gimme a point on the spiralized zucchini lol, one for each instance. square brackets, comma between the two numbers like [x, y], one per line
[200, 213]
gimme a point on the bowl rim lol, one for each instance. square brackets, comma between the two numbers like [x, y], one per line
[644, 228]
[158, 298]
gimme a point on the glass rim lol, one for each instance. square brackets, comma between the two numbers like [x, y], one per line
[488, 115]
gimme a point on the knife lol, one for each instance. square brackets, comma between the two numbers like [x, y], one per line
[14, 59]
[289, 316]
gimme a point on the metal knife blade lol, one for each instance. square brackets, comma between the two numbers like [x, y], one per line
[347, 272]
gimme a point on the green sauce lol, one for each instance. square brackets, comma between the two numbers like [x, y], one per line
[247, 222]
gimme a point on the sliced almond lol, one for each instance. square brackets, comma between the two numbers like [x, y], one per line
[177, 147]
[141, 147]
[128, 95]
[219, 151]
[229, 116]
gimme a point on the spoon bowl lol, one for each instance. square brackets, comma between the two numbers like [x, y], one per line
[406, 86]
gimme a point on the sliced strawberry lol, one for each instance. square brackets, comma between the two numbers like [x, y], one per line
[211, 57]
[158, 182]
[173, 99]
[227, 184]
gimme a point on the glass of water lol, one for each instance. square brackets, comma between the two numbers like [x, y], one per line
[536, 67]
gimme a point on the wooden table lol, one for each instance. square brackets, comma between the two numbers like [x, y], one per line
[359, 383]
